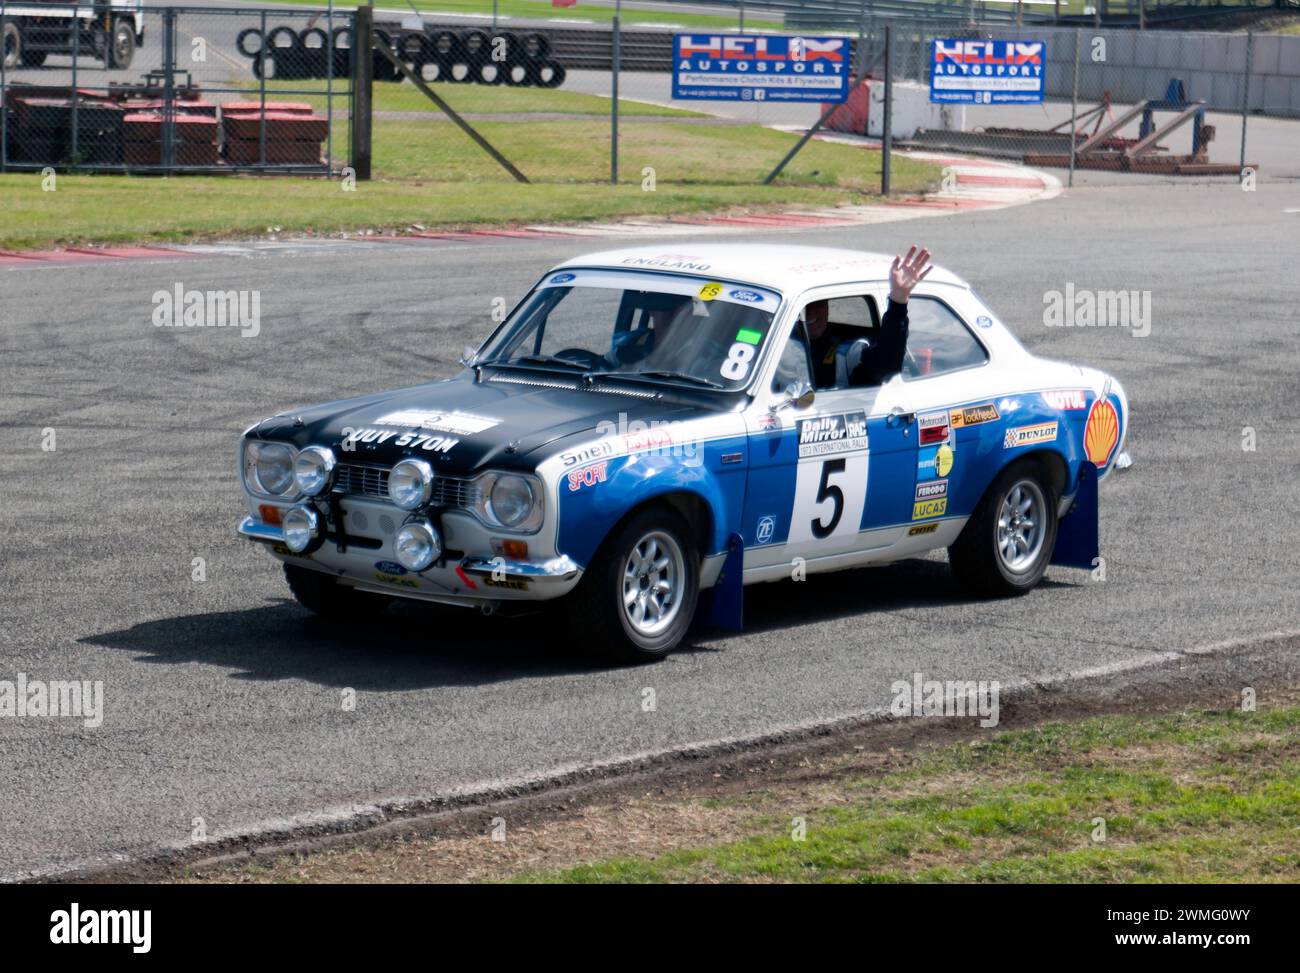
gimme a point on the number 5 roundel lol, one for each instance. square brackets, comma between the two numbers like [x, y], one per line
[830, 488]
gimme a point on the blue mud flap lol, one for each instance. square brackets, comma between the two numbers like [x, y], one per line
[726, 599]
[1078, 542]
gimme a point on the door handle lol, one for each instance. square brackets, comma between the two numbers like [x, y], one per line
[899, 416]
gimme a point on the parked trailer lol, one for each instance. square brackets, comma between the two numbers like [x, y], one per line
[107, 30]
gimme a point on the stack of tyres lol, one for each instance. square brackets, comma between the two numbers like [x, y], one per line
[475, 56]
[293, 133]
[41, 132]
[471, 56]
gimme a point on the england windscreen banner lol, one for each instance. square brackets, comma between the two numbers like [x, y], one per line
[740, 67]
[987, 72]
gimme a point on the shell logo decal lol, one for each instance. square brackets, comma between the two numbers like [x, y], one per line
[1101, 434]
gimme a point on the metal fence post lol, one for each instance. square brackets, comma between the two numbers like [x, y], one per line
[168, 156]
[76, 52]
[1245, 92]
[613, 110]
[329, 89]
[363, 64]
[4, 94]
[886, 134]
[1074, 106]
[261, 95]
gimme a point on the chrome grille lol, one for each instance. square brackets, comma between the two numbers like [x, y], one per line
[353, 479]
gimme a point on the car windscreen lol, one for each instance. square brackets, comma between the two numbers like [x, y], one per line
[613, 324]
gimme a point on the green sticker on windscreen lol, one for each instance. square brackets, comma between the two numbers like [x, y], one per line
[749, 336]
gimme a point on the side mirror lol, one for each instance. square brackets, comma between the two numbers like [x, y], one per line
[797, 395]
[467, 356]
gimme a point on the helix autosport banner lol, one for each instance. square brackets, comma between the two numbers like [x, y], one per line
[987, 72]
[742, 67]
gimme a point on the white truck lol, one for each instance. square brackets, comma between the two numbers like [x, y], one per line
[107, 30]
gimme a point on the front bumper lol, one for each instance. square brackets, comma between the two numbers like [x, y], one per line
[369, 564]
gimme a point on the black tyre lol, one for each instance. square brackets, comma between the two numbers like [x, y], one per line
[536, 47]
[1007, 543]
[242, 42]
[341, 45]
[121, 46]
[445, 44]
[546, 74]
[322, 595]
[476, 46]
[33, 59]
[13, 46]
[637, 598]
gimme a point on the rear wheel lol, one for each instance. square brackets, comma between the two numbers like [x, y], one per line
[1007, 543]
[323, 595]
[638, 596]
[121, 46]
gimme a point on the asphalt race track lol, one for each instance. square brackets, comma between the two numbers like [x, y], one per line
[223, 698]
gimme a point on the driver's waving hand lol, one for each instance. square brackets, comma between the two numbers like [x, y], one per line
[885, 358]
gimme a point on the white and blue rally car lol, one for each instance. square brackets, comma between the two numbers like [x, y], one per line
[644, 435]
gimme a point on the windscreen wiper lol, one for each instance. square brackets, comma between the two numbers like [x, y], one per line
[655, 373]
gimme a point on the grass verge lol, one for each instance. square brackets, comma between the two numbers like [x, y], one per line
[429, 173]
[1187, 796]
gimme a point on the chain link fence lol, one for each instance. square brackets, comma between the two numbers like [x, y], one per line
[112, 86]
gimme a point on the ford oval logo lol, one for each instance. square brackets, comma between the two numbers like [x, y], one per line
[562, 278]
[390, 567]
[751, 297]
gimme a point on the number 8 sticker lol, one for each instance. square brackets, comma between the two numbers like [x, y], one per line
[736, 365]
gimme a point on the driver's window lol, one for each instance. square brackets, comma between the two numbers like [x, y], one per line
[792, 367]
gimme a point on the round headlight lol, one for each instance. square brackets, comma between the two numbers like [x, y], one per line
[511, 500]
[301, 526]
[273, 466]
[313, 470]
[417, 545]
[410, 484]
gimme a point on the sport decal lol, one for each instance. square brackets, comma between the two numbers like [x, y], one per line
[1101, 433]
[825, 435]
[1043, 432]
[587, 476]
[973, 415]
[1066, 399]
[830, 489]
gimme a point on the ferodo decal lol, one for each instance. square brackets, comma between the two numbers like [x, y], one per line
[830, 488]
[935, 462]
[1101, 433]
[933, 427]
[824, 435]
[1063, 399]
[922, 529]
[974, 415]
[1043, 432]
[932, 489]
[930, 508]
[587, 476]
[460, 423]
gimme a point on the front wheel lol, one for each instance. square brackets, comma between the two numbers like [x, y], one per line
[1007, 543]
[323, 595]
[121, 46]
[638, 595]
[13, 46]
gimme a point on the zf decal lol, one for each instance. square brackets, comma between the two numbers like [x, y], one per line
[1043, 432]
[766, 528]
[974, 415]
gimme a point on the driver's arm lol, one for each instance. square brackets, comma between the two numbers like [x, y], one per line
[885, 359]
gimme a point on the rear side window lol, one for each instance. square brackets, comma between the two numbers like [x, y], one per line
[938, 341]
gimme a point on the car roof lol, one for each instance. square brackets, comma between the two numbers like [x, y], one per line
[789, 269]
